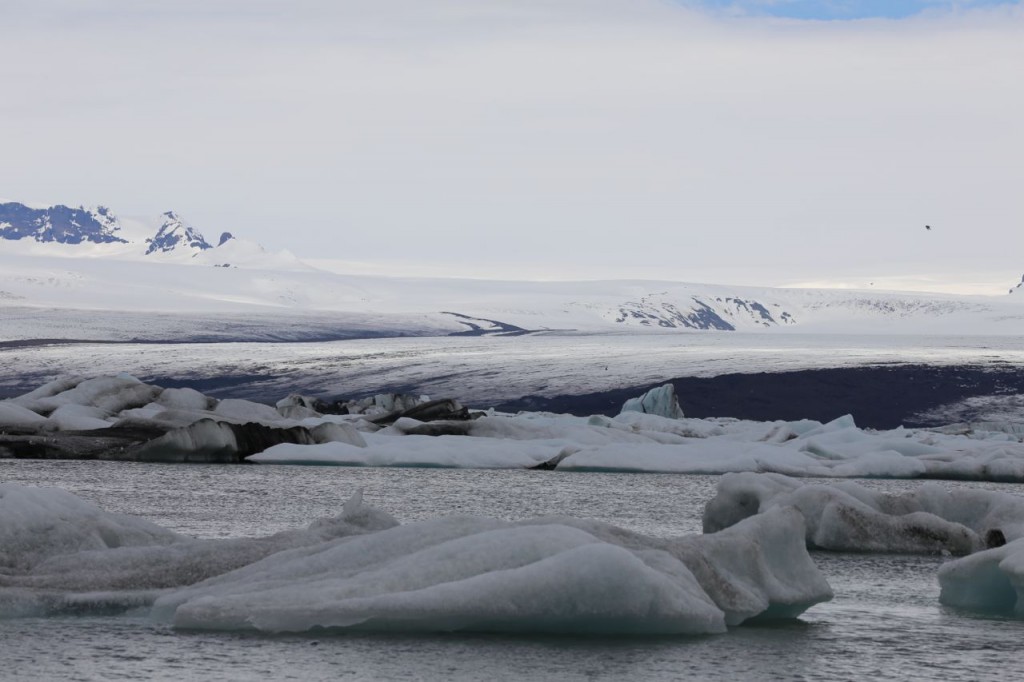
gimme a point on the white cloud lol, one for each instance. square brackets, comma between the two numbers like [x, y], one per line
[593, 136]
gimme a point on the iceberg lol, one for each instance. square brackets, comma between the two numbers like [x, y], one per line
[37, 524]
[660, 401]
[847, 516]
[991, 581]
[119, 417]
[547, 575]
[362, 570]
[61, 554]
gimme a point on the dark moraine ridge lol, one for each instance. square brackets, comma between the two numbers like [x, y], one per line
[879, 397]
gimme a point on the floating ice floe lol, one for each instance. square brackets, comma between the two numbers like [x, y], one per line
[548, 575]
[362, 571]
[60, 554]
[991, 581]
[637, 442]
[846, 516]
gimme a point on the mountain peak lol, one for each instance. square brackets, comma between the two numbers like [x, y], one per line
[175, 234]
[60, 224]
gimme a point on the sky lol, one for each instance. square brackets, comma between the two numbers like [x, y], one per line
[757, 142]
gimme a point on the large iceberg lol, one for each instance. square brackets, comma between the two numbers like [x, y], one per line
[546, 575]
[363, 571]
[846, 516]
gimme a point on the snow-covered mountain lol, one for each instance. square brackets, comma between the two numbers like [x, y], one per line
[59, 224]
[63, 231]
[176, 235]
[89, 260]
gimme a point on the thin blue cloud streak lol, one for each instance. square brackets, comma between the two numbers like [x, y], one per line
[831, 10]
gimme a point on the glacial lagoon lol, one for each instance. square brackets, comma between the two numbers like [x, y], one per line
[885, 621]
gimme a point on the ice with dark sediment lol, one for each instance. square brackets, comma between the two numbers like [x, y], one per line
[846, 516]
[185, 425]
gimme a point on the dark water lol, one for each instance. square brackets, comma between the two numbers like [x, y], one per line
[885, 622]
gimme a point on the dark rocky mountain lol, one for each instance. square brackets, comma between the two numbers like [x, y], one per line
[59, 224]
[66, 225]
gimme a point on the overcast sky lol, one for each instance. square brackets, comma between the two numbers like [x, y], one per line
[751, 142]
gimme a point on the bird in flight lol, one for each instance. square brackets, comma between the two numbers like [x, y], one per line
[927, 227]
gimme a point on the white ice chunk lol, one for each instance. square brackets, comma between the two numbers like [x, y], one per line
[415, 451]
[522, 579]
[247, 411]
[991, 581]
[59, 553]
[13, 415]
[660, 401]
[73, 417]
[543, 575]
[709, 456]
[335, 432]
[361, 571]
[110, 394]
[185, 399]
[38, 523]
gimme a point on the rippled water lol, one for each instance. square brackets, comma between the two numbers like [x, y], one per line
[885, 622]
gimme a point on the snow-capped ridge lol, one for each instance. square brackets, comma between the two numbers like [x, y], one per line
[96, 231]
[175, 234]
[60, 224]
[668, 310]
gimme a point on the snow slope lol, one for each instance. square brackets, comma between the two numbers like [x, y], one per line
[258, 282]
[72, 259]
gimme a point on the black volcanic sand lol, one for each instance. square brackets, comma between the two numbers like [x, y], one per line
[881, 397]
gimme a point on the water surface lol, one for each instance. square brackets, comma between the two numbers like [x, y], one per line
[885, 622]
